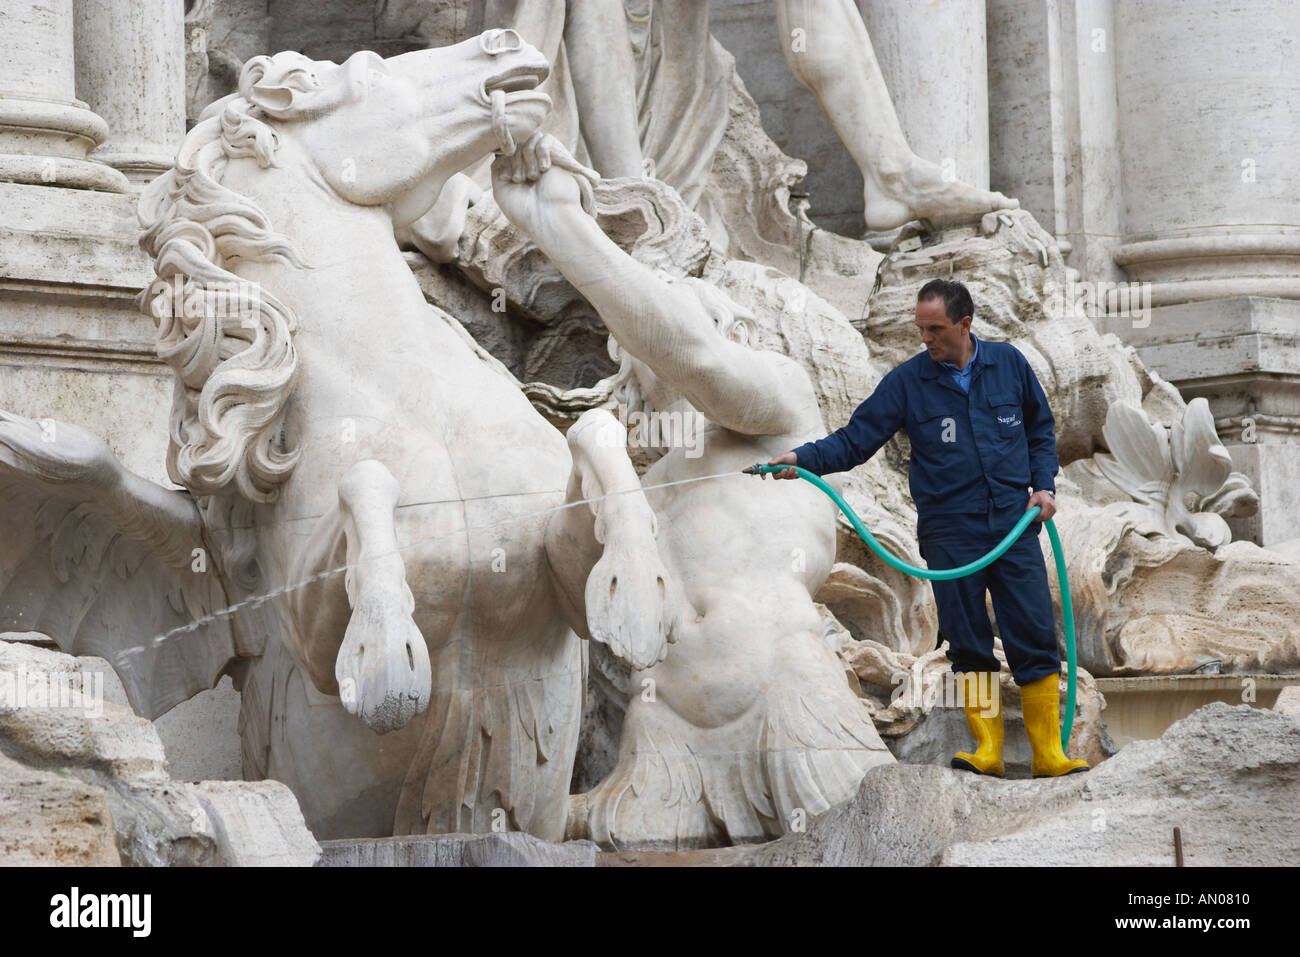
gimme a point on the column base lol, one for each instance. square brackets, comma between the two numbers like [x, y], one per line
[61, 171]
[1227, 263]
[138, 168]
[45, 143]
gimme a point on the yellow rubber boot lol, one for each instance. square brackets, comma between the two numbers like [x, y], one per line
[1041, 702]
[984, 718]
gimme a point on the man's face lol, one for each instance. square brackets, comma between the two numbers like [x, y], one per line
[943, 338]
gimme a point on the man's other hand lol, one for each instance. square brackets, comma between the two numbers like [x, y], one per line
[785, 458]
[1045, 501]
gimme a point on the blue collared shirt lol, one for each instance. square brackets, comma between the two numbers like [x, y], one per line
[962, 376]
[970, 448]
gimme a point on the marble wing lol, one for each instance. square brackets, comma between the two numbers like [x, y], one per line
[107, 563]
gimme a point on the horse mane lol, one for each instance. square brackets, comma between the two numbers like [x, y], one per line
[228, 341]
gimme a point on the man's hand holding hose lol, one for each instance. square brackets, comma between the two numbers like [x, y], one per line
[785, 458]
[1044, 500]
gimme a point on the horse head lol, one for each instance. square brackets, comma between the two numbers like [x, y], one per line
[379, 129]
[374, 132]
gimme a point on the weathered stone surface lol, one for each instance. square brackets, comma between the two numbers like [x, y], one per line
[90, 770]
[61, 719]
[1288, 702]
[1227, 776]
[256, 823]
[52, 818]
[509, 849]
[603, 711]
[1150, 601]
[200, 736]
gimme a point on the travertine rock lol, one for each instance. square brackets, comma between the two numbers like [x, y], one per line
[47, 817]
[1227, 776]
[94, 772]
[1288, 702]
[256, 823]
[1150, 602]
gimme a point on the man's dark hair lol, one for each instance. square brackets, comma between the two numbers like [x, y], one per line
[956, 297]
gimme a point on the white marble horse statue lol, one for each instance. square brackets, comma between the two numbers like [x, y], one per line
[365, 530]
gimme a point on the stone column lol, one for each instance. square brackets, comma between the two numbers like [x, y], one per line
[1208, 94]
[45, 132]
[131, 70]
[932, 53]
[1054, 125]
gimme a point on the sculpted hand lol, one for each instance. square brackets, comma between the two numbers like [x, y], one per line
[539, 178]
[1045, 501]
[785, 458]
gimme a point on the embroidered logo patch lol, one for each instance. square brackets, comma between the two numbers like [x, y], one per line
[1009, 420]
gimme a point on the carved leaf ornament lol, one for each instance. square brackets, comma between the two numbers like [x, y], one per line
[1183, 474]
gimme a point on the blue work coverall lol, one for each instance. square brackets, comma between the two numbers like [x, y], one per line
[975, 454]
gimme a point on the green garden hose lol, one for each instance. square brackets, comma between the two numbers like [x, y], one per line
[948, 574]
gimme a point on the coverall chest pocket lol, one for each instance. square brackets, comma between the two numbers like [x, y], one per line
[1008, 419]
[938, 431]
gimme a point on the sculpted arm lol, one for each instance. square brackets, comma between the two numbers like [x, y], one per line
[664, 324]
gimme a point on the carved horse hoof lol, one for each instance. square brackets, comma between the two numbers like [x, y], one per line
[628, 605]
[383, 666]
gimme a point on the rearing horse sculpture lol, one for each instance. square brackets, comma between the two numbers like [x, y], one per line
[325, 416]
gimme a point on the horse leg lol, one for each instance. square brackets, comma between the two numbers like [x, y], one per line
[603, 556]
[382, 667]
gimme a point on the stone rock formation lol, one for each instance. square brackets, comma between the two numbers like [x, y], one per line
[1221, 770]
[84, 781]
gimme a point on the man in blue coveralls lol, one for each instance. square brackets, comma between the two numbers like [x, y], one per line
[982, 436]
